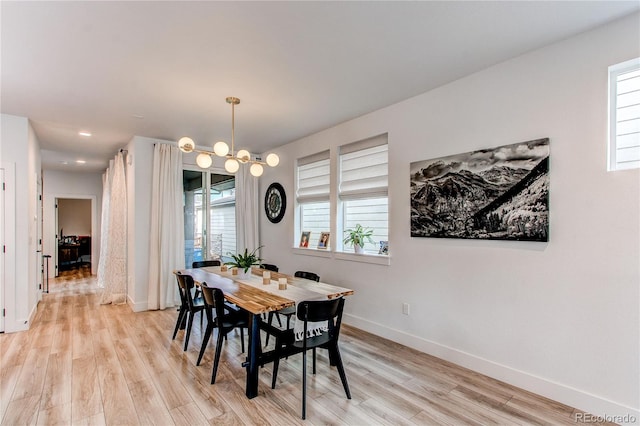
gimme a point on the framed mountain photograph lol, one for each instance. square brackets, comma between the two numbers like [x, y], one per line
[497, 194]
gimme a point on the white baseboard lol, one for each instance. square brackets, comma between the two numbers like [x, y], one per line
[137, 307]
[576, 398]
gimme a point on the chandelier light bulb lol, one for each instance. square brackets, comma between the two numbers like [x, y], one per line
[231, 165]
[243, 155]
[221, 148]
[273, 160]
[256, 170]
[204, 161]
[186, 144]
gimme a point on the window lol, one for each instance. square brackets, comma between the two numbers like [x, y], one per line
[363, 183]
[313, 189]
[624, 115]
[209, 215]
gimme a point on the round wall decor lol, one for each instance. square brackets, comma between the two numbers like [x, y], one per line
[275, 202]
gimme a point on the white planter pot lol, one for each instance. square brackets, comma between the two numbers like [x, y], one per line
[359, 249]
[242, 275]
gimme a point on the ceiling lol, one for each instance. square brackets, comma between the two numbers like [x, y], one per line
[164, 69]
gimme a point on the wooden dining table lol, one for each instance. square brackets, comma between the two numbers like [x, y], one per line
[247, 295]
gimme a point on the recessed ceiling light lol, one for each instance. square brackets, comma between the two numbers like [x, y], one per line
[80, 161]
[64, 162]
[84, 134]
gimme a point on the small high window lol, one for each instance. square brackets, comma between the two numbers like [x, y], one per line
[624, 115]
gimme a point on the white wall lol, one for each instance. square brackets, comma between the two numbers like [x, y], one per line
[139, 163]
[558, 318]
[71, 185]
[20, 148]
[74, 216]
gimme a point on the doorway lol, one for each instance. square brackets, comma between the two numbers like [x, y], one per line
[73, 219]
[3, 250]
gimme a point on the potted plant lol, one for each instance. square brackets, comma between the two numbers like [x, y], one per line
[358, 236]
[244, 262]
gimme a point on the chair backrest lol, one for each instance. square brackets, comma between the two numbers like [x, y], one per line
[213, 298]
[269, 267]
[329, 310]
[307, 275]
[185, 284]
[203, 263]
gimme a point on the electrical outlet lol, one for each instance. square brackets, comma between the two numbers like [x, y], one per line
[405, 308]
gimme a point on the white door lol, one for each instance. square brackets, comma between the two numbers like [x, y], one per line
[3, 250]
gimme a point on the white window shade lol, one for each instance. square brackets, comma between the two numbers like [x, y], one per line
[364, 172]
[313, 180]
[624, 125]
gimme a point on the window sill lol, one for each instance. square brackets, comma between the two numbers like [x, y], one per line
[376, 259]
[311, 252]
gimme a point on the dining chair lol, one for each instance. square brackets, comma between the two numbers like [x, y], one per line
[329, 310]
[189, 306]
[203, 263]
[224, 321]
[289, 312]
[307, 275]
[269, 267]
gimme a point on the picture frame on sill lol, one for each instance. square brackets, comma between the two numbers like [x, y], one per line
[384, 248]
[323, 242]
[304, 239]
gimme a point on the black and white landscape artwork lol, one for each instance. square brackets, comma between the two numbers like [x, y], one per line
[499, 194]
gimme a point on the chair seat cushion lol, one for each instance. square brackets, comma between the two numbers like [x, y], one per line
[291, 310]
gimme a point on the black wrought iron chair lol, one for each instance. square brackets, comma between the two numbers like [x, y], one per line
[286, 345]
[189, 306]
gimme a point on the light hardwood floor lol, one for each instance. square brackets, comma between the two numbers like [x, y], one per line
[83, 363]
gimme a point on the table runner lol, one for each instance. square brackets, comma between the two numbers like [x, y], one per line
[292, 292]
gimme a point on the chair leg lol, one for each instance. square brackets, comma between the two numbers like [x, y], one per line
[180, 315]
[314, 361]
[217, 356]
[189, 325]
[269, 319]
[242, 338]
[205, 340]
[343, 377]
[276, 364]
[304, 385]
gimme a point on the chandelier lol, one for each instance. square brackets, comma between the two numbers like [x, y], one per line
[221, 149]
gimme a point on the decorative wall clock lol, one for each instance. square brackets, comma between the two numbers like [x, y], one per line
[275, 202]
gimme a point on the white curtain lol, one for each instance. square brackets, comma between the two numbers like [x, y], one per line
[247, 206]
[166, 247]
[104, 226]
[114, 270]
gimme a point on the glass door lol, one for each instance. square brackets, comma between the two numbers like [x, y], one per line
[209, 215]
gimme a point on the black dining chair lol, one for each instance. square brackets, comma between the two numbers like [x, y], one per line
[269, 267]
[204, 263]
[289, 312]
[307, 275]
[225, 321]
[329, 310]
[189, 306]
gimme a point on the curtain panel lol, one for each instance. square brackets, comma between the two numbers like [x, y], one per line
[166, 243]
[114, 263]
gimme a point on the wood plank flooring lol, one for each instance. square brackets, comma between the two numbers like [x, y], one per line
[85, 363]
